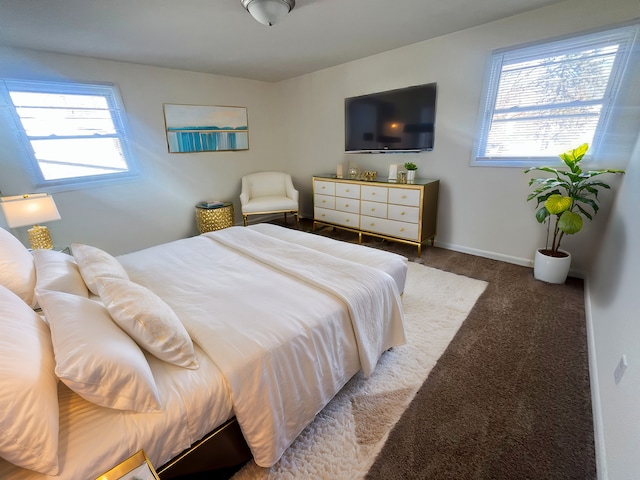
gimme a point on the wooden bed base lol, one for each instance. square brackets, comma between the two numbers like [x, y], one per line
[223, 448]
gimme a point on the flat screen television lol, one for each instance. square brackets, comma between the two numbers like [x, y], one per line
[400, 120]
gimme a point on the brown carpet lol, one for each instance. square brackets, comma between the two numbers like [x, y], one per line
[510, 397]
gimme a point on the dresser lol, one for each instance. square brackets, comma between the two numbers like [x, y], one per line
[394, 211]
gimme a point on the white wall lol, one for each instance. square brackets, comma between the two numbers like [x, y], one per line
[481, 210]
[160, 206]
[613, 300]
[298, 125]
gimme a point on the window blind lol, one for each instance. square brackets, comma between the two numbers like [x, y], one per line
[544, 99]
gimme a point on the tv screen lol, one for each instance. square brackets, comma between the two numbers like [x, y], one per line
[399, 120]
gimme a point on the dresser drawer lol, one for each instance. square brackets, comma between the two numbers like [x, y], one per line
[324, 188]
[348, 190]
[392, 228]
[346, 219]
[347, 204]
[404, 213]
[374, 209]
[374, 194]
[404, 196]
[324, 201]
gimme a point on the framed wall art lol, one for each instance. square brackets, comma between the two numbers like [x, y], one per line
[196, 128]
[136, 467]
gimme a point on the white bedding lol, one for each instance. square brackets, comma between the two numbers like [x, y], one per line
[195, 402]
[394, 265]
[285, 345]
[275, 342]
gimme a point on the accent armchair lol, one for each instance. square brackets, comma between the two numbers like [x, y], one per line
[268, 192]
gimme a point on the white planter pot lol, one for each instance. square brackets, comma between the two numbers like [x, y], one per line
[411, 175]
[551, 269]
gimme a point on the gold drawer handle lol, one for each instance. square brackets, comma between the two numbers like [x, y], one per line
[373, 209]
[346, 206]
[324, 201]
[347, 190]
[402, 229]
[323, 187]
[323, 215]
[404, 196]
[347, 220]
[372, 224]
[373, 194]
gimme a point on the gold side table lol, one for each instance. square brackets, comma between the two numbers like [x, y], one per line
[216, 218]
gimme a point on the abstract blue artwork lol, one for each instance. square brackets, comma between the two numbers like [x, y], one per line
[196, 128]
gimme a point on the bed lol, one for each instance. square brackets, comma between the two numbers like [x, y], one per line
[102, 356]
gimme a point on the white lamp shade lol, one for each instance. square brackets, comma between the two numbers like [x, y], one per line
[269, 12]
[23, 210]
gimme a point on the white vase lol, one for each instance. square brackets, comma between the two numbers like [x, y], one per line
[411, 175]
[551, 269]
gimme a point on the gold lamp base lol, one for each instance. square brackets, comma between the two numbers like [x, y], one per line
[39, 238]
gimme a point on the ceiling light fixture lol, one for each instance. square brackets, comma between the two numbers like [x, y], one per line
[268, 12]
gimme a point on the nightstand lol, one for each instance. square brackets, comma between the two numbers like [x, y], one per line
[209, 219]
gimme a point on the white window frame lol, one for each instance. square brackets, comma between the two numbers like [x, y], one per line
[624, 36]
[118, 115]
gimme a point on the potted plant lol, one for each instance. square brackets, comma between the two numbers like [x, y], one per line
[411, 171]
[562, 200]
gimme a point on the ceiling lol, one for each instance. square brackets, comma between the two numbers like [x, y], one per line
[220, 37]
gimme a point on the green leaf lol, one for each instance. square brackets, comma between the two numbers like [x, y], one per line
[580, 152]
[542, 169]
[584, 212]
[570, 223]
[542, 214]
[557, 204]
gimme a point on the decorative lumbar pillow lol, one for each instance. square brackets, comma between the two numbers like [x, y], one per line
[17, 271]
[59, 272]
[148, 320]
[94, 262]
[94, 357]
[28, 388]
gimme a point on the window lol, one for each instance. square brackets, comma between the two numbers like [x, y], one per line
[75, 133]
[544, 99]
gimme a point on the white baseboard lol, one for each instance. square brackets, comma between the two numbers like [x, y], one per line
[596, 407]
[525, 262]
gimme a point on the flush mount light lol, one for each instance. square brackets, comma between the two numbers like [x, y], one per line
[268, 12]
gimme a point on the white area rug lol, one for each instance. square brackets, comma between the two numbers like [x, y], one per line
[344, 439]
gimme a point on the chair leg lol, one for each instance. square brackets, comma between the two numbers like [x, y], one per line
[285, 218]
[295, 214]
[245, 219]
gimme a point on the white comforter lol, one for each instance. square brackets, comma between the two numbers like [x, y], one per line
[287, 325]
[277, 334]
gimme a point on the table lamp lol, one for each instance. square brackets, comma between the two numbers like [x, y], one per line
[31, 209]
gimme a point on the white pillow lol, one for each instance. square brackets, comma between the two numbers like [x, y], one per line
[148, 320]
[94, 263]
[59, 272]
[94, 357]
[29, 411]
[17, 271]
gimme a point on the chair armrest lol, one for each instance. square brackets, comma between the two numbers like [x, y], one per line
[244, 198]
[292, 193]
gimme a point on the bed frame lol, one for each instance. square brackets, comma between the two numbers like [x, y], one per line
[223, 448]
